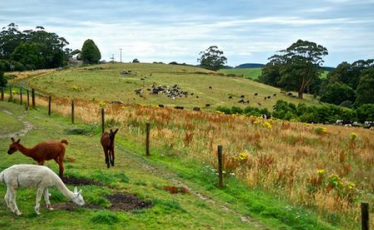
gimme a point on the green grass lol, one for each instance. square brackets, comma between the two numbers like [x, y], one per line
[249, 73]
[108, 84]
[9, 122]
[145, 177]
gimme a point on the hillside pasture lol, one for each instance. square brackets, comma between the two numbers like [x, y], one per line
[249, 73]
[106, 83]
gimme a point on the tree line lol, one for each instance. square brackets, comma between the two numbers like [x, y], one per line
[299, 68]
[39, 49]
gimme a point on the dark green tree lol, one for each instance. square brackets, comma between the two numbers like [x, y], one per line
[3, 81]
[366, 112]
[337, 93]
[49, 45]
[271, 71]
[28, 54]
[365, 89]
[212, 58]
[301, 65]
[90, 53]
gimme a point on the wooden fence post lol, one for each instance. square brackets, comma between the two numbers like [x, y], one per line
[365, 216]
[220, 166]
[147, 129]
[33, 98]
[10, 93]
[2, 93]
[72, 111]
[20, 95]
[28, 99]
[102, 120]
[49, 105]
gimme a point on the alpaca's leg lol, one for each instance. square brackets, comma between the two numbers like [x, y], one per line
[7, 200]
[61, 168]
[46, 199]
[107, 158]
[112, 153]
[13, 198]
[39, 195]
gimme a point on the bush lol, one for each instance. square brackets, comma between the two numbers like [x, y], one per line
[135, 61]
[337, 93]
[365, 113]
[90, 53]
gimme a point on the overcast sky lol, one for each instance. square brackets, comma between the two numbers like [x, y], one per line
[176, 30]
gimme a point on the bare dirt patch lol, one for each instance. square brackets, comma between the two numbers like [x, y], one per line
[79, 181]
[127, 202]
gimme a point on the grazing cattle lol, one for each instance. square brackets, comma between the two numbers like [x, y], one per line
[161, 106]
[343, 122]
[241, 101]
[289, 94]
[269, 97]
[256, 94]
[107, 141]
[179, 107]
[117, 102]
[207, 105]
[274, 95]
[265, 98]
[242, 96]
[197, 109]
[230, 97]
[210, 87]
[197, 96]
[247, 101]
[368, 124]
[258, 103]
[44, 151]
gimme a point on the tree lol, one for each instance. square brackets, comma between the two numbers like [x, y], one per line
[365, 89]
[3, 81]
[271, 72]
[337, 93]
[212, 58]
[135, 61]
[302, 65]
[366, 113]
[90, 53]
[349, 74]
[28, 54]
[49, 45]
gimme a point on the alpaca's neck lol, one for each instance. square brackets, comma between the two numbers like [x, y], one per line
[25, 151]
[62, 188]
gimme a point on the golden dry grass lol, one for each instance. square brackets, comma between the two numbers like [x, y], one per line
[329, 171]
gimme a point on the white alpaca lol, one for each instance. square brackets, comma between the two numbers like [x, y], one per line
[30, 176]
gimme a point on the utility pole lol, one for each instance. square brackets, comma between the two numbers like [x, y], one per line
[120, 55]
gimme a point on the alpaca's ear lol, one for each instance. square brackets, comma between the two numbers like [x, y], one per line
[18, 140]
[80, 191]
[12, 139]
[75, 190]
[111, 131]
[116, 131]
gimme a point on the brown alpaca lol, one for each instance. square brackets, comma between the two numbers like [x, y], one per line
[107, 141]
[43, 151]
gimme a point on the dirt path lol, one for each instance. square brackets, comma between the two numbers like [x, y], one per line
[27, 127]
[176, 182]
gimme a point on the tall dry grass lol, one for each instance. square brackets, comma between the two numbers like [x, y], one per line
[326, 168]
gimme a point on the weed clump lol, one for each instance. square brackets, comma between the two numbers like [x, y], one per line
[104, 217]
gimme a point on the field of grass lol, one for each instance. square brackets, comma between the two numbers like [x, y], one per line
[249, 73]
[205, 207]
[105, 82]
[320, 168]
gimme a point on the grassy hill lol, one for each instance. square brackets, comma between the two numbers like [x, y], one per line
[203, 207]
[249, 73]
[105, 82]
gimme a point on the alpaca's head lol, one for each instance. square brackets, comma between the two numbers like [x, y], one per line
[13, 146]
[78, 198]
[112, 135]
